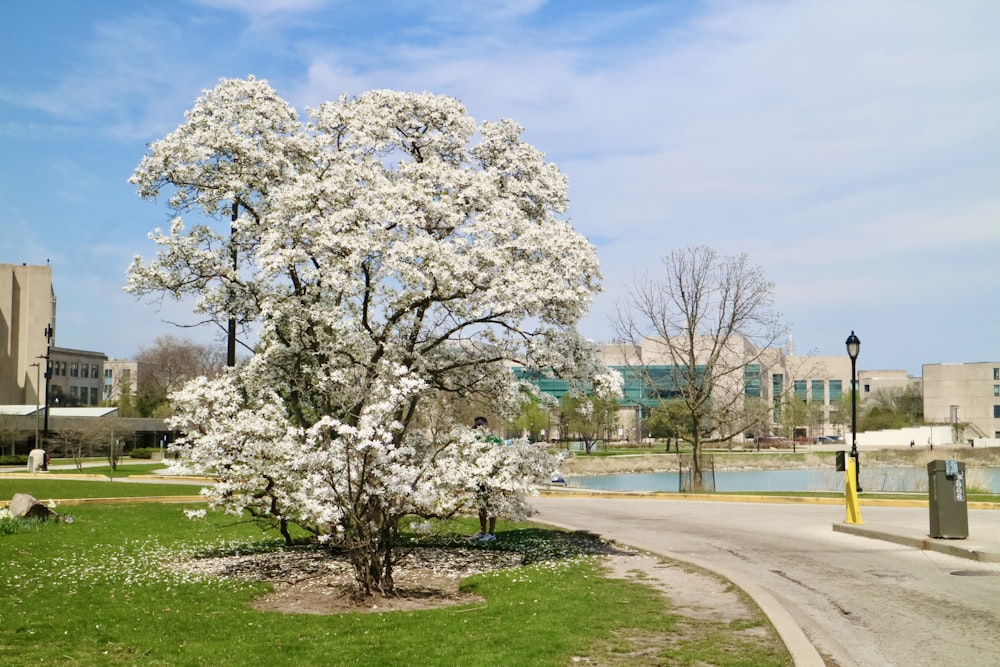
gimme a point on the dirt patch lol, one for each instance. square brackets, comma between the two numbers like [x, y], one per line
[325, 597]
[313, 580]
[694, 593]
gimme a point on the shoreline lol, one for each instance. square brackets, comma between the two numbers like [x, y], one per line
[643, 462]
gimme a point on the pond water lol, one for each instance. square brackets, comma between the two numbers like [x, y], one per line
[900, 480]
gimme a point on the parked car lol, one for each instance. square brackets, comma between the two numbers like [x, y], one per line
[829, 439]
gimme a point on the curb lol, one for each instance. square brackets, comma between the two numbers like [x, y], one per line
[949, 547]
[82, 476]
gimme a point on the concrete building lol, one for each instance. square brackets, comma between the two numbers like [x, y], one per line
[119, 374]
[770, 377]
[77, 377]
[967, 396]
[819, 381]
[748, 374]
[21, 428]
[651, 377]
[870, 382]
[28, 346]
[27, 309]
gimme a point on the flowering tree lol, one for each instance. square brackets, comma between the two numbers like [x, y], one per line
[384, 258]
[239, 141]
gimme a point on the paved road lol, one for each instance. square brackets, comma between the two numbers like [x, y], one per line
[861, 602]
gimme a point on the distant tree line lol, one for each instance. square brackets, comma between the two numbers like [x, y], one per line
[167, 365]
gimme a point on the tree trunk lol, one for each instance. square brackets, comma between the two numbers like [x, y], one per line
[235, 257]
[697, 482]
[369, 539]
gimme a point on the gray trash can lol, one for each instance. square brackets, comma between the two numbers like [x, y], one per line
[946, 491]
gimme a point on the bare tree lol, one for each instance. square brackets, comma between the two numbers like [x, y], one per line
[11, 428]
[93, 437]
[710, 320]
[168, 364]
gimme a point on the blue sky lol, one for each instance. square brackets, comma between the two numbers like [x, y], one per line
[851, 148]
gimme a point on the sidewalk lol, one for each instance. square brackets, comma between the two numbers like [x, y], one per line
[911, 529]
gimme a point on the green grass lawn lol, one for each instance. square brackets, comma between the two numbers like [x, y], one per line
[96, 592]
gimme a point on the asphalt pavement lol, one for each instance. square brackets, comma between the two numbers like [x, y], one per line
[912, 529]
[902, 522]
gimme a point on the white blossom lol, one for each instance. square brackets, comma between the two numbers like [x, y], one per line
[387, 249]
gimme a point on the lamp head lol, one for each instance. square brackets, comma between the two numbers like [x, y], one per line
[853, 346]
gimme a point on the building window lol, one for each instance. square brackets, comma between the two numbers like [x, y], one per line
[777, 384]
[799, 387]
[93, 371]
[94, 400]
[75, 392]
[74, 370]
[996, 412]
[996, 373]
[868, 388]
[62, 365]
[996, 390]
[107, 373]
[836, 389]
[751, 380]
[818, 391]
[85, 371]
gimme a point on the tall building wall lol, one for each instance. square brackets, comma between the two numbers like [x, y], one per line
[964, 393]
[27, 307]
[118, 374]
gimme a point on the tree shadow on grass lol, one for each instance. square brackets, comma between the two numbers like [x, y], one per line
[534, 545]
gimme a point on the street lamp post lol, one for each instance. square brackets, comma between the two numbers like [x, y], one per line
[853, 348]
[48, 374]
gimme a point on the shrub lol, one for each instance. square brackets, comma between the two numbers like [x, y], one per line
[10, 525]
[13, 460]
[142, 453]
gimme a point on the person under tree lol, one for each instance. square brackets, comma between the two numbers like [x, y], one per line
[487, 520]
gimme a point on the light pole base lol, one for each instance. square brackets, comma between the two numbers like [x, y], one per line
[851, 492]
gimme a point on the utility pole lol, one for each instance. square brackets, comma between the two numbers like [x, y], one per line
[48, 376]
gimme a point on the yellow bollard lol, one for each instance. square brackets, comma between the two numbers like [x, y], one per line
[851, 492]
